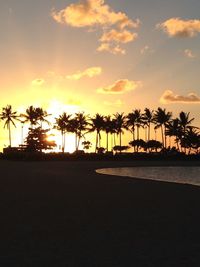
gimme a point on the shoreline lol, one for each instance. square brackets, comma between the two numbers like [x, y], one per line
[62, 213]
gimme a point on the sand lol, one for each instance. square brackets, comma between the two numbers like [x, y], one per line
[64, 214]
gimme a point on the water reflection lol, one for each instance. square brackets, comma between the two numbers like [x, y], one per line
[184, 175]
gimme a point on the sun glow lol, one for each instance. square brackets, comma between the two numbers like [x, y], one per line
[69, 141]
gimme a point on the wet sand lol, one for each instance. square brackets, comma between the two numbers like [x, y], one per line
[64, 214]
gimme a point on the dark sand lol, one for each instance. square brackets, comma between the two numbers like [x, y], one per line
[64, 214]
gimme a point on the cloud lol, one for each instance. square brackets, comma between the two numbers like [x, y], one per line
[113, 49]
[89, 13]
[124, 36]
[117, 103]
[120, 87]
[38, 82]
[176, 27]
[90, 72]
[188, 53]
[96, 14]
[169, 97]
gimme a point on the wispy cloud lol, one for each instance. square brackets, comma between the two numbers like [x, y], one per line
[90, 73]
[94, 14]
[176, 27]
[113, 49]
[38, 82]
[188, 53]
[120, 87]
[124, 36]
[169, 97]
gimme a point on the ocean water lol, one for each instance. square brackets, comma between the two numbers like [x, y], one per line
[183, 175]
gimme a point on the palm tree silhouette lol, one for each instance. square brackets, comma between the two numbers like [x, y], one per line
[138, 121]
[82, 123]
[148, 119]
[191, 139]
[62, 125]
[173, 129]
[131, 122]
[107, 128]
[161, 119]
[41, 116]
[184, 122]
[31, 116]
[97, 124]
[120, 124]
[9, 116]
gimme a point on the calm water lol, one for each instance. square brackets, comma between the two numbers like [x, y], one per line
[183, 175]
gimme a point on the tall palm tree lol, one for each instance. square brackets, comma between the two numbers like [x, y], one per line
[120, 123]
[138, 121]
[131, 122]
[184, 122]
[41, 115]
[82, 124]
[173, 129]
[161, 119]
[62, 125]
[9, 116]
[191, 139]
[97, 124]
[31, 116]
[108, 128]
[148, 119]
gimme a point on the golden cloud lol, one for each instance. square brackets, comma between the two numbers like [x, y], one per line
[89, 13]
[120, 87]
[124, 36]
[90, 72]
[169, 97]
[95, 13]
[111, 48]
[176, 27]
[38, 82]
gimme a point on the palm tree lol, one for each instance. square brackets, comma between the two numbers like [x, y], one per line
[41, 115]
[97, 124]
[191, 139]
[82, 124]
[161, 119]
[107, 128]
[9, 116]
[148, 119]
[62, 125]
[173, 129]
[131, 121]
[184, 122]
[138, 121]
[31, 116]
[120, 124]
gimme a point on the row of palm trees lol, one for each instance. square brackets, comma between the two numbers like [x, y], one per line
[178, 131]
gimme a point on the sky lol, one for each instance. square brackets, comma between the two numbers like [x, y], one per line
[99, 56]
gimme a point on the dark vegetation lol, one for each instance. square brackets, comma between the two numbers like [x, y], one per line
[178, 136]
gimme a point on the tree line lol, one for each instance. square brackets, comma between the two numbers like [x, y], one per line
[177, 134]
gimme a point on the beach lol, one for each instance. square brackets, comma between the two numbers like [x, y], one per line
[62, 213]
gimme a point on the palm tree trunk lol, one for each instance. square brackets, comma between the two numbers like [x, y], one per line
[62, 134]
[9, 129]
[96, 142]
[165, 138]
[107, 142]
[64, 142]
[138, 134]
[149, 129]
[163, 141]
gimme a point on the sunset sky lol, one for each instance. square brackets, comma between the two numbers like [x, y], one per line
[100, 56]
